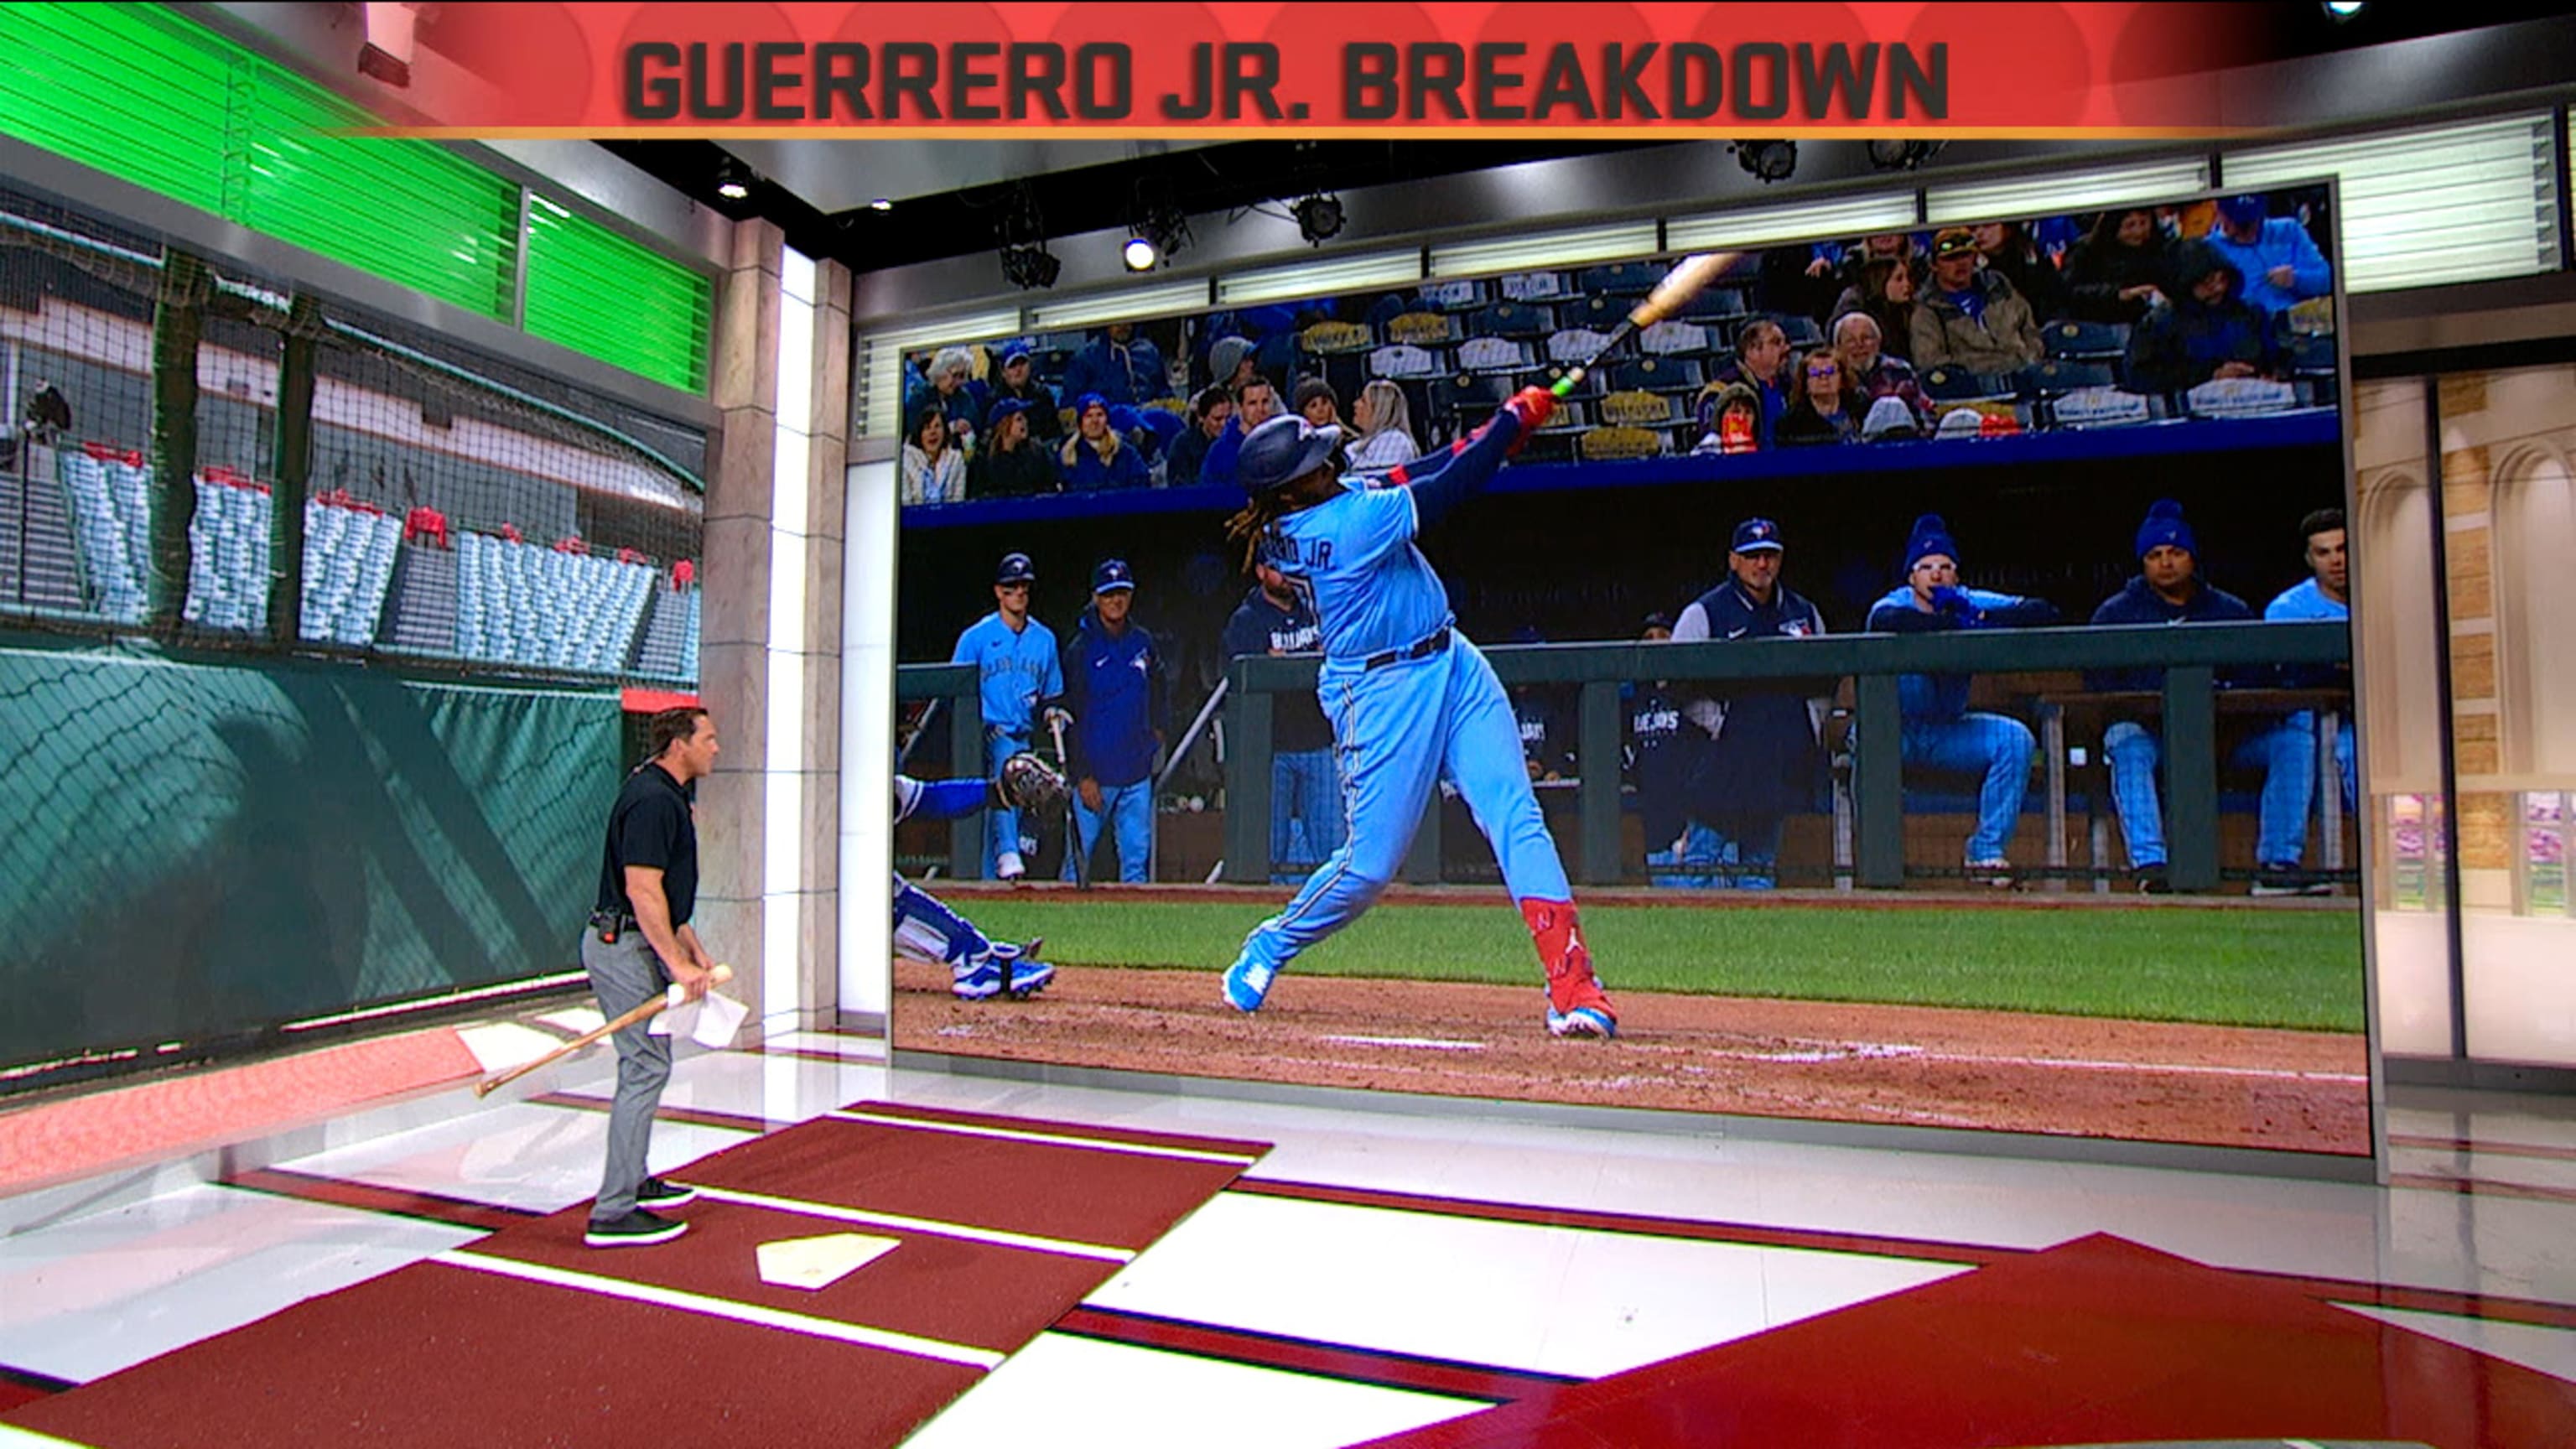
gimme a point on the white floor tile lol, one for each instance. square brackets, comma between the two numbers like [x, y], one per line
[99, 1294]
[2549, 1350]
[1077, 1393]
[516, 1154]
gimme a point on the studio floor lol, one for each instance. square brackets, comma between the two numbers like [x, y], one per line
[1378, 1273]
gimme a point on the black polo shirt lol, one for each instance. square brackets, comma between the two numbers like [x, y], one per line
[651, 826]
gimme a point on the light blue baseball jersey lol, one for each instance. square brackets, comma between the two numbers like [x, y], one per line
[1019, 668]
[2304, 600]
[1353, 561]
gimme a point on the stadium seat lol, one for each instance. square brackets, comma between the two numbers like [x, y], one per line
[1468, 398]
[1633, 409]
[2314, 355]
[1407, 360]
[1655, 374]
[1332, 339]
[2056, 378]
[1801, 330]
[1624, 279]
[1956, 384]
[1531, 286]
[1495, 354]
[1675, 339]
[1516, 320]
[1608, 444]
[1422, 329]
[2082, 341]
[1714, 306]
[1454, 294]
[1576, 344]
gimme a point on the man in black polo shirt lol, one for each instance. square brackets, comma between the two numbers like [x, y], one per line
[639, 944]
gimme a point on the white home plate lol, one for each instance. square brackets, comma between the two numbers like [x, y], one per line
[812, 1263]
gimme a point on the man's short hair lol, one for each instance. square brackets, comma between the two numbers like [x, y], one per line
[670, 726]
[1248, 384]
[1753, 328]
[2324, 520]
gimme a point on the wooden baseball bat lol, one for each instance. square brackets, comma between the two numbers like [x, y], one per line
[1689, 277]
[486, 1087]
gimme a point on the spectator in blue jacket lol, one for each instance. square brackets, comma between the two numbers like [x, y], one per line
[1113, 680]
[1255, 403]
[1120, 366]
[2167, 590]
[2279, 262]
[1095, 457]
[2205, 331]
[1940, 731]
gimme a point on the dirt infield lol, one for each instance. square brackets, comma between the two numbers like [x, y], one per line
[1914, 1066]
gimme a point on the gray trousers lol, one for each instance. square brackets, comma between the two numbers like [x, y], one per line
[625, 976]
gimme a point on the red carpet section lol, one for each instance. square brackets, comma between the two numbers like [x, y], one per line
[97, 1132]
[2098, 1341]
[528, 1337]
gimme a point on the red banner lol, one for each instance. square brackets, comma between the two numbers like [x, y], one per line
[1329, 68]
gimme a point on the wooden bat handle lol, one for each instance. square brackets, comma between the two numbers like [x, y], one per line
[1686, 280]
[645, 1012]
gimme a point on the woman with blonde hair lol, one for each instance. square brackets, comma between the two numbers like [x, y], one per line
[1385, 426]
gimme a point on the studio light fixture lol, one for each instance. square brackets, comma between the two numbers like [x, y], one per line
[1769, 160]
[1030, 266]
[2340, 11]
[1319, 218]
[1902, 155]
[881, 204]
[1158, 230]
[733, 180]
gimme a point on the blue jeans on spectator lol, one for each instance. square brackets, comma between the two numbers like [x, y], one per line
[1305, 812]
[1001, 826]
[1693, 866]
[2134, 752]
[1748, 852]
[1129, 812]
[1990, 746]
[2290, 785]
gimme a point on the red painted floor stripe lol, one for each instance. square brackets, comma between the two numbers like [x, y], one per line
[2479, 1187]
[694, 1116]
[1636, 1224]
[2490, 1149]
[1414, 1372]
[454, 1212]
[817, 1054]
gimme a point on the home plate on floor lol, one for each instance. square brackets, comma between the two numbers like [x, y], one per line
[818, 1263]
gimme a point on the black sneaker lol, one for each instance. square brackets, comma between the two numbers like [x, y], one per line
[2281, 880]
[2151, 881]
[655, 1193]
[637, 1229]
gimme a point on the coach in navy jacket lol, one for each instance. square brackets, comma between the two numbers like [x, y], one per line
[1113, 682]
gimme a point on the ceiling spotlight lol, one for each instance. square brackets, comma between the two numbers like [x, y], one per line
[1902, 155]
[881, 204]
[1319, 218]
[1770, 160]
[1031, 266]
[733, 180]
[1158, 230]
[2343, 10]
[1140, 254]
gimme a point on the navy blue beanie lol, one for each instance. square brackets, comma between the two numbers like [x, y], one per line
[1931, 536]
[2164, 525]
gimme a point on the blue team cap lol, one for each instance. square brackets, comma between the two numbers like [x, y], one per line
[2242, 209]
[1112, 574]
[1015, 352]
[1004, 409]
[1758, 535]
[1283, 450]
[1016, 569]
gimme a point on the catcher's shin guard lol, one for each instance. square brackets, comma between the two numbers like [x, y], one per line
[1576, 1004]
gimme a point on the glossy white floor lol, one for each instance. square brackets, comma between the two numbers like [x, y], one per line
[90, 1286]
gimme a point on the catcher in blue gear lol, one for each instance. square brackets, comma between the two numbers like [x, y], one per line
[1411, 701]
[980, 968]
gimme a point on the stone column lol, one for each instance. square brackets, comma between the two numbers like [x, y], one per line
[733, 652]
[816, 535]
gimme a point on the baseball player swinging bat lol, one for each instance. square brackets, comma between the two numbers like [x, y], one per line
[646, 1012]
[1688, 278]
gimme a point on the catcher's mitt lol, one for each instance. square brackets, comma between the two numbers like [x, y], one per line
[1027, 782]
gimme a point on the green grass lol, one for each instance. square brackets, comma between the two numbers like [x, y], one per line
[2289, 968]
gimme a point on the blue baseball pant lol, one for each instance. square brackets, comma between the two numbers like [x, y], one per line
[1993, 747]
[1398, 732]
[1129, 812]
[1305, 810]
[2135, 751]
[2290, 785]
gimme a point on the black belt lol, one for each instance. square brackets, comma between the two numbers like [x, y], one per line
[610, 925]
[1433, 644]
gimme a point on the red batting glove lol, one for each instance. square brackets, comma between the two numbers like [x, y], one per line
[1533, 406]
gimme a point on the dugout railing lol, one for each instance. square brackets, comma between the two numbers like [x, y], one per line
[2192, 659]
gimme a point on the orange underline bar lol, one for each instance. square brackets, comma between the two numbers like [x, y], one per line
[1713, 130]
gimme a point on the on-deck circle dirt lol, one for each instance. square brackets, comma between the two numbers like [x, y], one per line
[1918, 1066]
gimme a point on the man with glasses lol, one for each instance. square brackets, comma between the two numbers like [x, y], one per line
[1016, 658]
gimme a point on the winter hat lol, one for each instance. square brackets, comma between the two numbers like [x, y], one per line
[1931, 536]
[1889, 417]
[2164, 525]
[1227, 354]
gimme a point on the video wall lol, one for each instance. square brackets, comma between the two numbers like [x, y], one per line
[2025, 443]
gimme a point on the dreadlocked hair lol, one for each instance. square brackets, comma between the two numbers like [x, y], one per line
[1253, 522]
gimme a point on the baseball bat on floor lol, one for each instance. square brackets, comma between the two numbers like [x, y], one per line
[645, 1012]
[1689, 277]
